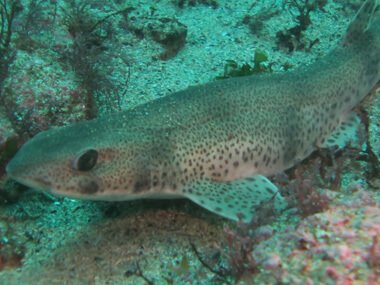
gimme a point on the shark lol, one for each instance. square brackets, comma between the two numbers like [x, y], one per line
[215, 144]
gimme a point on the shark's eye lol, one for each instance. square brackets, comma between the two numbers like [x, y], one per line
[86, 160]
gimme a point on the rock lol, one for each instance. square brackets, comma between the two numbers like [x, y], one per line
[39, 94]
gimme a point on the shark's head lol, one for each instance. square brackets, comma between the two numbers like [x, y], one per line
[82, 161]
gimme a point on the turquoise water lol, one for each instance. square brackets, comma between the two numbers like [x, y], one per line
[67, 61]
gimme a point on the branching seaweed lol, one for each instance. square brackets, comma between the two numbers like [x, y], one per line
[256, 21]
[372, 159]
[37, 16]
[88, 55]
[237, 260]
[293, 38]
[9, 9]
[182, 3]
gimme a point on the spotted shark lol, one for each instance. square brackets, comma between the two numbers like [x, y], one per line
[216, 143]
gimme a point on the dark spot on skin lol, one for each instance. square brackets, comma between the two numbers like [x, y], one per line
[236, 163]
[269, 190]
[154, 181]
[218, 209]
[141, 185]
[88, 187]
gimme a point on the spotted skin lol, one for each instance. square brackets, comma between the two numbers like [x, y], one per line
[203, 142]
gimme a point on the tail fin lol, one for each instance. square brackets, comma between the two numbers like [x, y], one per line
[361, 21]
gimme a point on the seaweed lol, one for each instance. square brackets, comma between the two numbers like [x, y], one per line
[260, 65]
[234, 259]
[9, 9]
[293, 38]
[39, 16]
[88, 54]
[182, 3]
[255, 22]
[170, 33]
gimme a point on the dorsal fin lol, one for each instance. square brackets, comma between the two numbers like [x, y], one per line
[361, 21]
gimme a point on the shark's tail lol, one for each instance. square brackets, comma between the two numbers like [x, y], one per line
[361, 22]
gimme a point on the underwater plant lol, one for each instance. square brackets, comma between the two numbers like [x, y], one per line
[260, 65]
[236, 260]
[182, 3]
[9, 9]
[293, 38]
[88, 55]
[36, 16]
[170, 33]
[255, 21]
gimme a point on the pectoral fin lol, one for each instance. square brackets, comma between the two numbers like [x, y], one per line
[237, 199]
[346, 133]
